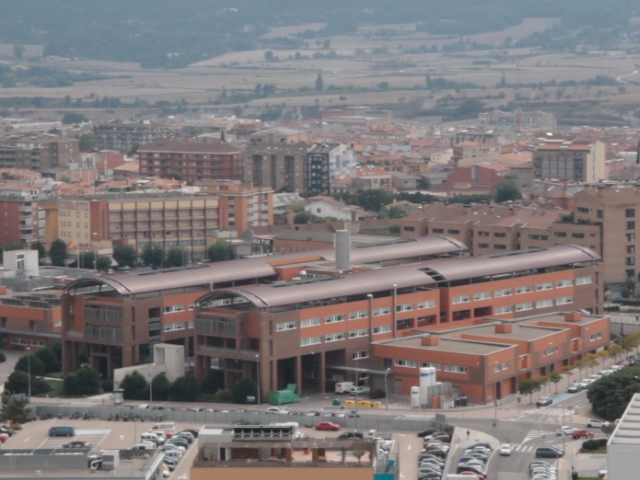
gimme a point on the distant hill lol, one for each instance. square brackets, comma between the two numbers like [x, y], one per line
[175, 33]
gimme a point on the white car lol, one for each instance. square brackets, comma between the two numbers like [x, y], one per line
[505, 450]
[602, 472]
[564, 430]
[277, 410]
[595, 423]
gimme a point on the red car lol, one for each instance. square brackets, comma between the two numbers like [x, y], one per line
[327, 426]
[3, 437]
[579, 433]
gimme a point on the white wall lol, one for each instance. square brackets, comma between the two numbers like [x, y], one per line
[22, 261]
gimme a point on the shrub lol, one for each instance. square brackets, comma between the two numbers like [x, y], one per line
[37, 367]
[49, 359]
[213, 382]
[243, 389]
[135, 387]
[39, 386]
[223, 396]
[3, 357]
[88, 381]
[161, 387]
[70, 384]
[107, 385]
[185, 389]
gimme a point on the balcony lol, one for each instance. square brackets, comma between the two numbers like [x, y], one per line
[246, 354]
[40, 330]
[26, 227]
[25, 209]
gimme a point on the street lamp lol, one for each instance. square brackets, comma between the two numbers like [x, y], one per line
[386, 389]
[357, 379]
[258, 374]
[150, 390]
[95, 252]
[29, 368]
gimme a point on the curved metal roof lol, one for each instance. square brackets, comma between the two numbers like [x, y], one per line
[470, 267]
[261, 267]
[360, 283]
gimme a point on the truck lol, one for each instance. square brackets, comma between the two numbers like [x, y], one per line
[280, 397]
[343, 387]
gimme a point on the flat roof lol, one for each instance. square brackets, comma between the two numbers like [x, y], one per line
[167, 146]
[453, 345]
[628, 430]
[526, 332]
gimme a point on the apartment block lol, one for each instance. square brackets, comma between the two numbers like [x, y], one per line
[278, 166]
[240, 206]
[194, 161]
[280, 135]
[30, 320]
[166, 220]
[486, 360]
[37, 152]
[21, 219]
[536, 120]
[325, 162]
[123, 136]
[489, 229]
[570, 160]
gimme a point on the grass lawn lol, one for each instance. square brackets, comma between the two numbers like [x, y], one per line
[601, 451]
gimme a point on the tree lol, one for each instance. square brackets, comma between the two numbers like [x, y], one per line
[3, 357]
[610, 395]
[18, 51]
[581, 365]
[185, 389]
[161, 387]
[177, 257]
[555, 377]
[49, 359]
[527, 386]
[614, 350]
[135, 386]
[359, 454]
[70, 385]
[592, 360]
[544, 379]
[394, 228]
[244, 388]
[153, 256]
[72, 117]
[624, 292]
[125, 255]
[15, 410]
[30, 362]
[507, 190]
[87, 142]
[302, 218]
[58, 252]
[630, 283]
[213, 382]
[56, 347]
[384, 86]
[268, 56]
[176, 175]
[42, 251]
[631, 341]
[88, 381]
[18, 382]
[103, 263]
[319, 83]
[219, 252]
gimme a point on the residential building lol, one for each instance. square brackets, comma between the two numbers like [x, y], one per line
[324, 207]
[194, 161]
[485, 361]
[536, 120]
[164, 219]
[37, 152]
[615, 211]
[488, 229]
[326, 162]
[570, 160]
[278, 166]
[279, 135]
[242, 452]
[465, 151]
[320, 328]
[402, 181]
[622, 447]
[476, 179]
[124, 136]
[240, 206]
[369, 177]
[116, 319]
[21, 219]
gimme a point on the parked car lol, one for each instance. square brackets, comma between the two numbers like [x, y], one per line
[575, 388]
[548, 451]
[377, 393]
[352, 434]
[77, 444]
[358, 390]
[427, 432]
[505, 450]
[8, 431]
[484, 445]
[595, 423]
[544, 401]
[277, 410]
[581, 433]
[564, 430]
[3, 437]
[327, 426]
[602, 471]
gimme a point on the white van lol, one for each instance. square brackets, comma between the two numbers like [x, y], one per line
[166, 426]
[151, 437]
[173, 454]
[344, 387]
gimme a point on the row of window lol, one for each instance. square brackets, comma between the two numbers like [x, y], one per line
[335, 337]
[550, 351]
[596, 336]
[500, 366]
[521, 307]
[24, 341]
[505, 292]
[170, 327]
[447, 368]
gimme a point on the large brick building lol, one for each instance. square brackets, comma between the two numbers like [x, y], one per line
[280, 166]
[37, 152]
[194, 161]
[21, 219]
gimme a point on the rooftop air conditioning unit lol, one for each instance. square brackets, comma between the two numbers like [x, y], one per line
[110, 459]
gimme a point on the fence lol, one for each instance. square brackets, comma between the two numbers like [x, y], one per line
[380, 422]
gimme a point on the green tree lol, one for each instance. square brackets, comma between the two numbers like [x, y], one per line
[161, 387]
[630, 283]
[527, 386]
[58, 252]
[302, 218]
[39, 386]
[153, 256]
[56, 347]
[42, 251]
[244, 388]
[18, 382]
[319, 83]
[72, 117]
[384, 86]
[394, 228]
[176, 175]
[213, 382]
[70, 385]
[125, 255]
[14, 409]
[177, 257]
[544, 380]
[219, 252]
[88, 381]
[373, 200]
[614, 350]
[624, 292]
[37, 368]
[507, 190]
[18, 51]
[555, 377]
[104, 263]
[592, 360]
[268, 56]
[87, 142]
[135, 386]
[3, 357]
[581, 365]
[49, 359]
[185, 389]
[610, 395]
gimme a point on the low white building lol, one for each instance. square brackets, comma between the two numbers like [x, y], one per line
[623, 448]
[324, 207]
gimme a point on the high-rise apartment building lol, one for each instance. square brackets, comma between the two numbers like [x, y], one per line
[123, 136]
[21, 219]
[570, 160]
[37, 152]
[326, 162]
[280, 166]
